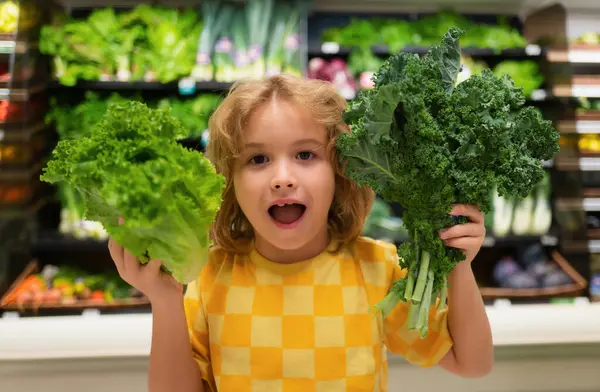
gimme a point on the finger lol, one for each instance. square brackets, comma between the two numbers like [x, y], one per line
[464, 243]
[465, 230]
[473, 213]
[116, 253]
[153, 266]
[131, 264]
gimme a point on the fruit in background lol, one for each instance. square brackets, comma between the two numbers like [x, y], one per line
[9, 16]
[589, 143]
[588, 38]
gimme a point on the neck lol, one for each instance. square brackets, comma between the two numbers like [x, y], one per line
[313, 248]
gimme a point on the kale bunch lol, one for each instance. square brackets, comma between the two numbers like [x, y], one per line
[420, 139]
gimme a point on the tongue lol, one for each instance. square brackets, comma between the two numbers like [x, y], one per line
[288, 213]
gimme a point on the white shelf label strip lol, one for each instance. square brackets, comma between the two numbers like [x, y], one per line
[589, 164]
[584, 127]
[591, 204]
[584, 56]
[583, 91]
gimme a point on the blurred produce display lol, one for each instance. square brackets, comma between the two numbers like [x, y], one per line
[219, 42]
[590, 38]
[147, 43]
[67, 285]
[530, 217]
[531, 268]
[399, 34]
[15, 15]
[357, 72]
[382, 224]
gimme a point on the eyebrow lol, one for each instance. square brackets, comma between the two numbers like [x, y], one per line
[296, 143]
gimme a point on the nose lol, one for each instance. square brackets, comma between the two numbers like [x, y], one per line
[283, 177]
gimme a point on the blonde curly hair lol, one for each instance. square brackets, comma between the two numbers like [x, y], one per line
[231, 230]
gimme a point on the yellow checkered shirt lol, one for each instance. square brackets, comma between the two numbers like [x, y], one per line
[256, 325]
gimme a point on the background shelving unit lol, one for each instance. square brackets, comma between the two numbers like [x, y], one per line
[572, 205]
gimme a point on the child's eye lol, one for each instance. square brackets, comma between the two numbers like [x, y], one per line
[305, 155]
[258, 160]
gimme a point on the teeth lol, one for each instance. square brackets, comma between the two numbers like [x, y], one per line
[280, 205]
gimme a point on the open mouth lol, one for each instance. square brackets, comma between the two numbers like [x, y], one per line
[287, 214]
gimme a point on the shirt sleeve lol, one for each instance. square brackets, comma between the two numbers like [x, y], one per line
[198, 331]
[400, 340]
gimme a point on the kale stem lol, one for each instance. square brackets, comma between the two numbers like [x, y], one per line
[443, 293]
[422, 278]
[413, 315]
[425, 306]
[410, 280]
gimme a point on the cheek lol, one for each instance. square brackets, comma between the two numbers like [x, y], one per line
[247, 191]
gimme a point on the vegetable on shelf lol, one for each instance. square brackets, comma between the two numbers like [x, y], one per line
[56, 286]
[132, 166]
[422, 141]
[258, 14]
[529, 216]
[398, 34]
[145, 43]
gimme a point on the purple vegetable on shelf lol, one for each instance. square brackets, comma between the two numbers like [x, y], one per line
[520, 280]
[505, 268]
[556, 278]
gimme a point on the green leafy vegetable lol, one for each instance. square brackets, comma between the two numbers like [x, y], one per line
[422, 140]
[145, 43]
[526, 74]
[131, 166]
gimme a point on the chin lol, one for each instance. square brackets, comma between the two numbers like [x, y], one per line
[289, 241]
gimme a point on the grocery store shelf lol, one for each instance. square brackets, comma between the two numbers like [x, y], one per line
[147, 86]
[128, 335]
[333, 48]
[576, 91]
[578, 163]
[17, 47]
[546, 239]
[54, 241]
[579, 126]
[575, 56]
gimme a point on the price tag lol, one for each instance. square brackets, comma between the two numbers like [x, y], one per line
[205, 138]
[539, 95]
[594, 246]
[330, 47]
[533, 50]
[187, 86]
[11, 315]
[549, 240]
[90, 313]
[488, 242]
[502, 303]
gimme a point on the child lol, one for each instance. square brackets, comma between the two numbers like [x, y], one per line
[285, 301]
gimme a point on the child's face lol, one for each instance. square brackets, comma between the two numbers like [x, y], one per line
[284, 181]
